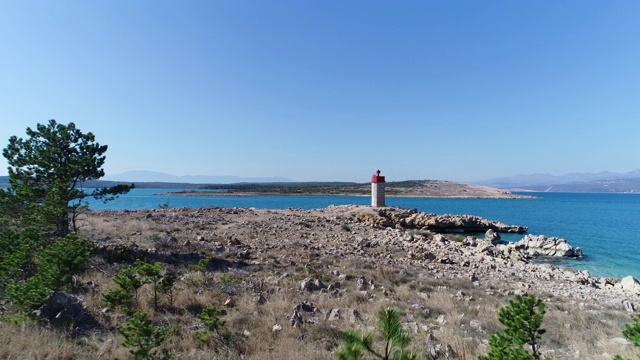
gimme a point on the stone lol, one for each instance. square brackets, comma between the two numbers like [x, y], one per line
[296, 319]
[354, 315]
[64, 309]
[540, 245]
[492, 237]
[333, 315]
[630, 284]
[412, 327]
[619, 341]
[308, 285]
[439, 351]
[629, 306]
[306, 307]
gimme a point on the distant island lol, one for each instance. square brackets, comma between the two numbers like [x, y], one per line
[409, 188]
[603, 182]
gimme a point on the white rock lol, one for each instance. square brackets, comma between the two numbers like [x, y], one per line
[630, 284]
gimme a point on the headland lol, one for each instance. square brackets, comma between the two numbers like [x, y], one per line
[290, 282]
[409, 188]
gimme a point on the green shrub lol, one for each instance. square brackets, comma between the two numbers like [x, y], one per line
[396, 339]
[215, 330]
[29, 294]
[151, 274]
[142, 337]
[126, 294]
[29, 285]
[117, 297]
[165, 286]
[16, 258]
[522, 319]
[63, 260]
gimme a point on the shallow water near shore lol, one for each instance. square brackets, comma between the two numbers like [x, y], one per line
[605, 226]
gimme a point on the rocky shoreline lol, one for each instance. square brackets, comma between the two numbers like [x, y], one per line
[417, 239]
[302, 272]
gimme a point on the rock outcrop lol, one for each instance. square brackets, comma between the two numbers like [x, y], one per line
[540, 245]
[62, 309]
[412, 219]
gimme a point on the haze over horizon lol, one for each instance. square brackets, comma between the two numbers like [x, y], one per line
[331, 91]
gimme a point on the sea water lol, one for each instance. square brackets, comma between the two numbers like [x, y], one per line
[605, 226]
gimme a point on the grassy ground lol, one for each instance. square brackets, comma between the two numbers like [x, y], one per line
[262, 289]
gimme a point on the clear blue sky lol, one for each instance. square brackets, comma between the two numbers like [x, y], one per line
[331, 90]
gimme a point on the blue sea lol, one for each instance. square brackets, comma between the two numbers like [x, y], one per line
[605, 226]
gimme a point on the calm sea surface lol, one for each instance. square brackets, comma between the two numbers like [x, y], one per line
[606, 226]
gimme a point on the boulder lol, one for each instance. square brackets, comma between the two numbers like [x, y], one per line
[308, 285]
[67, 310]
[333, 315]
[630, 284]
[540, 245]
[492, 236]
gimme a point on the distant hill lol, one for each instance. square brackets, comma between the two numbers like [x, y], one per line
[160, 177]
[575, 182]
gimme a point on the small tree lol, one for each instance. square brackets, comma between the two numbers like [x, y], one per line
[142, 337]
[127, 291]
[29, 294]
[29, 278]
[395, 337]
[68, 257]
[165, 286]
[522, 319]
[213, 325]
[151, 275]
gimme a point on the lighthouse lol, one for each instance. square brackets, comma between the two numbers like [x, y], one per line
[377, 190]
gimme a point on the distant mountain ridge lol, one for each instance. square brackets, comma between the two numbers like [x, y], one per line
[604, 181]
[156, 176]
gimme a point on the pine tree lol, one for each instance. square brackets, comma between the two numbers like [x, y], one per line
[46, 173]
[522, 319]
[142, 337]
[396, 339]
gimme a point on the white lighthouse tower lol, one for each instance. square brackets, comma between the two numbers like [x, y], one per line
[377, 190]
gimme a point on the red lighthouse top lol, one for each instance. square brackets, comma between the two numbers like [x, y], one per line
[377, 178]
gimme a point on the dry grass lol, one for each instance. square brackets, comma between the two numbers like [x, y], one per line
[453, 310]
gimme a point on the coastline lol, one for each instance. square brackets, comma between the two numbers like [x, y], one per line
[409, 195]
[347, 260]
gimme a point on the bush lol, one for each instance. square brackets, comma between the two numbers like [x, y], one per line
[28, 285]
[142, 337]
[215, 333]
[522, 319]
[29, 294]
[395, 337]
[68, 257]
[126, 295]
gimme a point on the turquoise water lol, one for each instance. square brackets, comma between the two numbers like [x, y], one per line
[604, 225]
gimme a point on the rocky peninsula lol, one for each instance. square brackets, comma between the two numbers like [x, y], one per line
[290, 282]
[409, 188]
